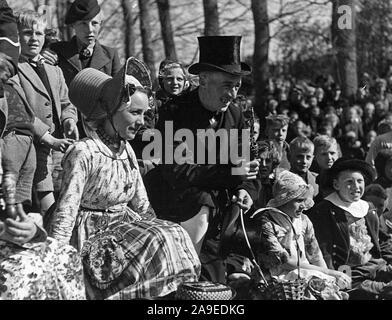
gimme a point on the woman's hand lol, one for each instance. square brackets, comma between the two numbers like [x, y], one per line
[18, 231]
[342, 279]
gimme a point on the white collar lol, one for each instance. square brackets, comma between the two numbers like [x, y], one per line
[357, 209]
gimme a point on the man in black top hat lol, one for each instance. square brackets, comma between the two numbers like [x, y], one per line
[195, 194]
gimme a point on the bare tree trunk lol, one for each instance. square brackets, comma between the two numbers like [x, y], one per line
[146, 34]
[166, 29]
[61, 10]
[343, 41]
[129, 35]
[211, 17]
[260, 56]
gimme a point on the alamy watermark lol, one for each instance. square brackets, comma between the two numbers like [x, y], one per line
[345, 20]
[207, 146]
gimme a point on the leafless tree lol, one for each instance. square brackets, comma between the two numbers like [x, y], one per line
[146, 35]
[211, 17]
[166, 29]
[61, 10]
[130, 38]
[260, 56]
[344, 44]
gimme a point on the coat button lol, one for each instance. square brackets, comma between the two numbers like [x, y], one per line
[333, 213]
[376, 296]
[334, 253]
[334, 246]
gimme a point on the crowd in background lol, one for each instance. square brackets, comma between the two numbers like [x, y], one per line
[113, 225]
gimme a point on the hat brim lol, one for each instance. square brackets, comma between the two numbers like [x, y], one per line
[112, 91]
[84, 92]
[242, 70]
[70, 19]
[348, 164]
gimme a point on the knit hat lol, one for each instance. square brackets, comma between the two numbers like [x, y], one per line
[81, 10]
[289, 186]
[97, 95]
[9, 40]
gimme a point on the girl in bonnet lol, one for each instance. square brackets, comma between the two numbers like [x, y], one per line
[103, 207]
[287, 232]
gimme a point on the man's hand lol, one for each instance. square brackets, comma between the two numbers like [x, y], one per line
[7, 69]
[50, 57]
[244, 200]
[70, 129]
[18, 231]
[247, 170]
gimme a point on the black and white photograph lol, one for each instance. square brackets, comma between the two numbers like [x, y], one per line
[195, 157]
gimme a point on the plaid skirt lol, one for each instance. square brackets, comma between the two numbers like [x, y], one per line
[126, 257]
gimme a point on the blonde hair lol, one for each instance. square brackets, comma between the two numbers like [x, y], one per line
[29, 18]
[324, 141]
[301, 144]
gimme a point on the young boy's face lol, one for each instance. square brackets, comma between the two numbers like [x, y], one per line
[326, 157]
[277, 132]
[87, 31]
[350, 185]
[32, 39]
[265, 168]
[301, 160]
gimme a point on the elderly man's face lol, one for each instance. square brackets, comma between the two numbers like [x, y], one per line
[87, 31]
[219, 89]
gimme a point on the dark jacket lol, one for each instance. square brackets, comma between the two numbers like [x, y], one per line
[331, 229]
[104, 59]
[177, 192]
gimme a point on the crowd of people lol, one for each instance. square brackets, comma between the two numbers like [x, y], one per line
[86, 215]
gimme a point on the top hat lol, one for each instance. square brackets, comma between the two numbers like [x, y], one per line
[97, 95]
[220, 53]
[81, 10]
